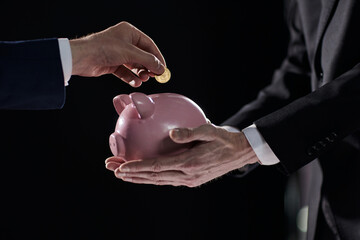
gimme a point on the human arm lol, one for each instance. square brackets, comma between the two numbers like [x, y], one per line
[310, 126]
[121, 50]
[31, 74]
[315, 123]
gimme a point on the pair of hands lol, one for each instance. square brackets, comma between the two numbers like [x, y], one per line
[215, 153]
[132, 56]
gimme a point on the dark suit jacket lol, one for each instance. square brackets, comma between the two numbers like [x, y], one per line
[310, 114]
[31, 75]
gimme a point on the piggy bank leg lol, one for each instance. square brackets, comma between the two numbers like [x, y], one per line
[117, 145]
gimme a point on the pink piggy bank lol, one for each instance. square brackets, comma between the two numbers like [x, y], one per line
[142, 130]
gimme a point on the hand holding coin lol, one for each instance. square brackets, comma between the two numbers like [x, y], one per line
[165, 77]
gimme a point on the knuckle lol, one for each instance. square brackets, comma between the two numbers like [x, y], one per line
[155, 176]
[212, 130]
[156, 166]
[124, 23]
[155, 61]
[192, 181]
[158, 64]
[207, 132]
[190, 167]
[152, 62]
[207, 127]
[186, 133]
[191, 184]
[135, 167]
[189, 133]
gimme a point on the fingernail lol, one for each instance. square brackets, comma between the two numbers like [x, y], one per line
[124, 169]
[175, 133]
[120, 174]
[160, 65]
[132, 83]
[127, 179]
[112, 166]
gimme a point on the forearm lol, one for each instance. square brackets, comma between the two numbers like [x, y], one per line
[313, 124]
[31, 75]
[82, 55]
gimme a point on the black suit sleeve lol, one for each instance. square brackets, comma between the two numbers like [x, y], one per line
[305, 129]
[31, 75]
[300, 125]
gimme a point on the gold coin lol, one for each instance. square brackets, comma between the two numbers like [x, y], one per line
[165, 77]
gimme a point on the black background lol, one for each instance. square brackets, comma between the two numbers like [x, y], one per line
[53, 180]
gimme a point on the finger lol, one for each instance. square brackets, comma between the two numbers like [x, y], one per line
[206, 132]
[142, 73]
[115, 159]
[151, 74]
[169, 176]
[139, 70]
[148, 181]
[140, 180]
[145, 43]
[127, 76]
[148, 60]
[154, 165]
[113, 163]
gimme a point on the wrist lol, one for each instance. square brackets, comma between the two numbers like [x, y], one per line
[249, 155]
[243, 153]
[79, 55]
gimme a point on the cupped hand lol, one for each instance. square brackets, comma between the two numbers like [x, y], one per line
[122, 50]
[216, 152]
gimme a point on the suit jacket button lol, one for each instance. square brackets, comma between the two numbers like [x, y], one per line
[311, 151]
[331, 137]
[322, 144]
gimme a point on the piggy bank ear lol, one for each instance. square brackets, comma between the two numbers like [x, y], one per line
[120, 102]
[143, 104]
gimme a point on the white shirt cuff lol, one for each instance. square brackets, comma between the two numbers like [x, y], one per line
[260, 146]
[66, 58]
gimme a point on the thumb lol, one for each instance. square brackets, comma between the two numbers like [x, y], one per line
[206, 132]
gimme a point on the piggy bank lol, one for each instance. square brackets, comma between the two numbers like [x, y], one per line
[142, 129]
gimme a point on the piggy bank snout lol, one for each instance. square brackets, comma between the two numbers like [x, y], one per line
[117, 145]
